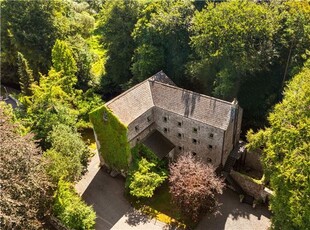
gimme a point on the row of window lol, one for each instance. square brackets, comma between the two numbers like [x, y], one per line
[209, 160]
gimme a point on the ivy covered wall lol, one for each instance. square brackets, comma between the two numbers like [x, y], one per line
[112, 137]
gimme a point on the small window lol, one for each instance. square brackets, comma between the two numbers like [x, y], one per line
[209, 160]
[105, 116]
[148, 118]
[137, 128]
[194, 154]
[180, 135]
[180, 124]
[166, 130]
[138, 140]
[195, 130]
[180, 148]
[210, 146]
[194, 141]
[165, 119]
[211, 135]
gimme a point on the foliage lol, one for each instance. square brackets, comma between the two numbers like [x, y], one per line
[68, 155]
[193, 186]
[161, 35]
[32, 34]
[25, 75]
[63, 60]
[50, 105]
[146, 172]
[112, 137]
[115, 25]
[26, 192]
[286, 154]
[229, 47]
[71, 210]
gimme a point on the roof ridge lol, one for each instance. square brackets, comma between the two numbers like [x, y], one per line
[182, 89]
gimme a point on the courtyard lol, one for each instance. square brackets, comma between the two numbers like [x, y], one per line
[113, 210]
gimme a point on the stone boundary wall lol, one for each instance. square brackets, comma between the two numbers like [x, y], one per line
[250, 186]
[252, 160]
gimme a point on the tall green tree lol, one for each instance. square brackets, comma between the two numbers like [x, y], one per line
[162, 39]
[64, 62]
[29, 27]
[25, 75]
[115, 25]
[231, 40]
[286, 154]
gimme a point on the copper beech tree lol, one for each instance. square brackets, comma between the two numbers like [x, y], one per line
[193, 186]
[26, 192]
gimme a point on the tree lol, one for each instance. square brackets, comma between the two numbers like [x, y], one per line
[50, 105]
[25, 75]
[115, 25]
[231, 40]
[193, 186]
[286, 154]
[145, 180]
[162, 38]
[30, 28]
[68, 154]
[71, 209]
[63, 60]
[26, 192]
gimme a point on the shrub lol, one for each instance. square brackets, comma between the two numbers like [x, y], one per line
[68, 155]
[146, 172]
[71, 210]
[193, 186]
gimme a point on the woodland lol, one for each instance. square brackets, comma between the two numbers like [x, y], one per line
[67, 57]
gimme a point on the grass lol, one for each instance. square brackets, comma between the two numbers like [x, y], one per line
[160, 207]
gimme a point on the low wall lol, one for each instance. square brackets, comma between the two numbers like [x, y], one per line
[250, 186]
[252, 160]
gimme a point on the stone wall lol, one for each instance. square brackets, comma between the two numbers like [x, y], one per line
[190, 136]
[252, 160]
[250, 186]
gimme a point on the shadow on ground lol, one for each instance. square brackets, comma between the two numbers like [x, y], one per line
[106, 194]
[235, 215]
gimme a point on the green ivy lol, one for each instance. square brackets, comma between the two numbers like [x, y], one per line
[112, 137]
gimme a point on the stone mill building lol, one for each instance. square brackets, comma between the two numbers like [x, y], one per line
[171, 120]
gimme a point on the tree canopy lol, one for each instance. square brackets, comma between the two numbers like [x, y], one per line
[286, 154]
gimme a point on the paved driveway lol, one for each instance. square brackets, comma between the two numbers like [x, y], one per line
[106, 194]
[236, 216]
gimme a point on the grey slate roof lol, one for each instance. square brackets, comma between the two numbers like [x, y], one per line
[160, 91]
